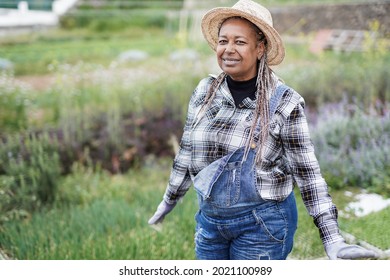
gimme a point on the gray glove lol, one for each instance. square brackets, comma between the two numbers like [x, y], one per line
[162, 210]
[342, 250]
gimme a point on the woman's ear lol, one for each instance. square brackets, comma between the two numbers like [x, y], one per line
[260, 50]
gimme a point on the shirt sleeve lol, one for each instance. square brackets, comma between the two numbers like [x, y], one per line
[306, 173]
[180, 179]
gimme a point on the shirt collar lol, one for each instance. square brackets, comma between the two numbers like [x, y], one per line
[247, 102]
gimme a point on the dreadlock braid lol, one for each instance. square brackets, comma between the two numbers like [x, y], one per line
[216, 83]
[265, 86]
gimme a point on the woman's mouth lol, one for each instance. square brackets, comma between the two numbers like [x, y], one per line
[230, 61]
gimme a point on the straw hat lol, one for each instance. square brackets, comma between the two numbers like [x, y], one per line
[253, 12]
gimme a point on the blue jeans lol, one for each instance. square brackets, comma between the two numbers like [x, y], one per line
[234, 222]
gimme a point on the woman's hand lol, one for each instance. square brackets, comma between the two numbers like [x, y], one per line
[342, 250]
[162, 210]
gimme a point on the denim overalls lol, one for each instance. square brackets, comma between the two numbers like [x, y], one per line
[234, 222]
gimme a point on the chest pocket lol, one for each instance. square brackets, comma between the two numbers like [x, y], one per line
[226, 191]
[274, 131]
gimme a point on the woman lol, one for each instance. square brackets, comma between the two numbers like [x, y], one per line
[245, 144]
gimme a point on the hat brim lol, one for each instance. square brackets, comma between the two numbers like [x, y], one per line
[213, 19]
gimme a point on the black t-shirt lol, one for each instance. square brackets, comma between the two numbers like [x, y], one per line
[242, 89]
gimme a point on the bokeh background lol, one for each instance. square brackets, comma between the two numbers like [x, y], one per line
[93, 98]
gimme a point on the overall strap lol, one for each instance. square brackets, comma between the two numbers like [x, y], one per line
[274, 102]
[275, 98]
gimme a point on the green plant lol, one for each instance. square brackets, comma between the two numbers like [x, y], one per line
[13, 103]
[31, 168]
[369, 228]
[106, 220]
[353, 147]
[39, 53]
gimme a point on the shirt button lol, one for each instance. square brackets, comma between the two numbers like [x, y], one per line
[253, 145]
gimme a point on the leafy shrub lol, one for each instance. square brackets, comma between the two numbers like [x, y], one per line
[31, 166]
[13, 103]
[114, 16]
[114, 120]
[112, 21]
[353, 147]
[111, 118]
[29, 169]
[354, 76]
[125, 146]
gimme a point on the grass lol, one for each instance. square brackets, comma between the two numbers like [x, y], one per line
[371, 228]
[104, 229]
[109, 221]
[34, 53]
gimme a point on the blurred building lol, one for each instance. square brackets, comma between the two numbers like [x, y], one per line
[18, 16]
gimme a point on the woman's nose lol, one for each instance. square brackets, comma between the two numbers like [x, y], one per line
[230, 48]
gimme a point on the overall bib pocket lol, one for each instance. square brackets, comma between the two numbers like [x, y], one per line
[225, 192]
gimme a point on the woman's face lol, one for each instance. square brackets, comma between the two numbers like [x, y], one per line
[238, 49]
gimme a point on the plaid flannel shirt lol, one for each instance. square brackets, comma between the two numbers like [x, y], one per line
[288, 156]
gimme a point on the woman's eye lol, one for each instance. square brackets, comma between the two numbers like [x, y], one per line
[240, 43]
[221, 42]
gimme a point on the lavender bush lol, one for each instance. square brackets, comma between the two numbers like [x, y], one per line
[353, 146]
